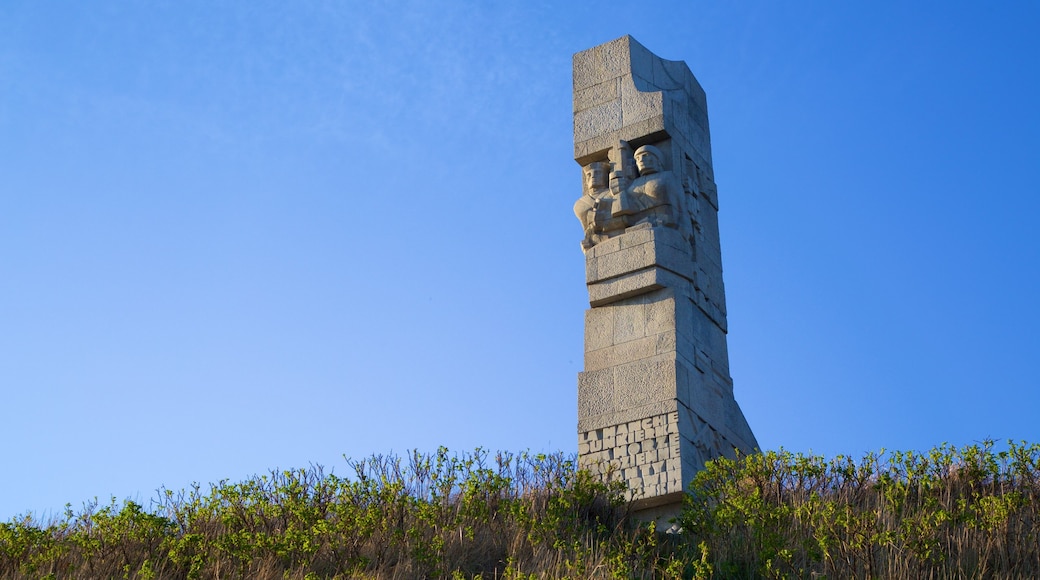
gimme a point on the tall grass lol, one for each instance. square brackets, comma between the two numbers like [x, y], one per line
[949, 513]
[423, 516]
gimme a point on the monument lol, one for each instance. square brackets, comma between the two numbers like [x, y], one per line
[655, 401]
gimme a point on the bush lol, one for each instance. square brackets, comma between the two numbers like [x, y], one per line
[426, 516]
[949, 513]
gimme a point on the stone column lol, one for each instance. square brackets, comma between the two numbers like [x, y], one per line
[655, 400]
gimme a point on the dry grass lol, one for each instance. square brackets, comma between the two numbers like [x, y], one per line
[428, 516]
[950, 513]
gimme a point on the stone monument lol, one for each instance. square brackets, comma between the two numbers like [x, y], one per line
[655, 400]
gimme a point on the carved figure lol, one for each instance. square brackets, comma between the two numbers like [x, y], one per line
[625, 171]
[656, 192]
[594, 202]
[641, 191]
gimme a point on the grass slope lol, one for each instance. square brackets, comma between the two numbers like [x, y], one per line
[949, 513]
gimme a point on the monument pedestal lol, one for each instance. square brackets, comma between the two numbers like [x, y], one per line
[655, 400]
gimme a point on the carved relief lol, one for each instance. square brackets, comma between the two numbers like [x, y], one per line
[644, 454]
[591, 209]
[639, 191]
[656, 191]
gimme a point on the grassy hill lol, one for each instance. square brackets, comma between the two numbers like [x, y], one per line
[949, 513]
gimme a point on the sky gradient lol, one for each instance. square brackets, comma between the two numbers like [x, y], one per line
[238, 236]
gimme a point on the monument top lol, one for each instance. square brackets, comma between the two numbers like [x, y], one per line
[624, 91]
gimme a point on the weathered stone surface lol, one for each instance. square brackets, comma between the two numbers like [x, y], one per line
[655, 400]
[637, 250]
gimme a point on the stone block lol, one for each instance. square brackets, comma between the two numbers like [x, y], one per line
[632, 350]
[670, 75]
[625, 414]
[701, 361]
[637, 250]
[633, 285]
[599, 329]
[627, 286]
[664, 342]
[673, 259]
[603, 248]
[644, 381]
[635, 237]
[672, 247]
[595, 147]
[624, 261]
[641, 60]
[596, 95]
[591, 122]
[600, 63]
[629, 322]
[679, 126]
[720, 370]
[708, 402]
[637, 105]
[591, 270]
[652, 128]
[595, 392]
[659, 312]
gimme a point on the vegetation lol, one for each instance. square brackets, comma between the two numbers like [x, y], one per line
[950, 513]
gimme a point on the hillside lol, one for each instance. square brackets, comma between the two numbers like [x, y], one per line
[949, 513]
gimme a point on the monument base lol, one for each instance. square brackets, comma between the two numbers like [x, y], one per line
[663, 510]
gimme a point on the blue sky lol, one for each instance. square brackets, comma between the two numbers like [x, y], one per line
[236, 236]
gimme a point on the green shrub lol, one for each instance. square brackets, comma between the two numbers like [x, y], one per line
[948, 513]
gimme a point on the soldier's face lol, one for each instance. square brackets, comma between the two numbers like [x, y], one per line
[646, 162]
[595, 176]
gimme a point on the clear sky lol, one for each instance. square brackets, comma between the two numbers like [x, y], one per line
[236, 236]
